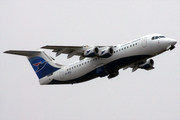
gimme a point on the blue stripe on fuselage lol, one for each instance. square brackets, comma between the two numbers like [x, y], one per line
[110, 67]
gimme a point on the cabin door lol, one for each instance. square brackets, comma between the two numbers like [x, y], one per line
[144, 42]
[61, 74]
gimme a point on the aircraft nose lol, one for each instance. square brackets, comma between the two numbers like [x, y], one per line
[172, 41]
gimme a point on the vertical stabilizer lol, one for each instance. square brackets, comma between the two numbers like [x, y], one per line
[42, 64]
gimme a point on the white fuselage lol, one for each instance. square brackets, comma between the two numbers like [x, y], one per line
[123, 56]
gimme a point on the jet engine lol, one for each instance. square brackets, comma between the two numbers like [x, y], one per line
[105, 52]
[91, 52]
[148, 65]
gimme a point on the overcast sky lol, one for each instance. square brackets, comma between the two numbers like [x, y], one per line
[142, 95]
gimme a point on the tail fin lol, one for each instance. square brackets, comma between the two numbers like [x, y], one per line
[42, 64]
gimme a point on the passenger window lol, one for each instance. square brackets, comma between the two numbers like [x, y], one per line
[152, 38]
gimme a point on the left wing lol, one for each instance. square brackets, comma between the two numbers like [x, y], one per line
[70, 50]
[82, 51]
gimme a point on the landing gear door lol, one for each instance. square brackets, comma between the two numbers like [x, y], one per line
[101, 70]
[144, 42]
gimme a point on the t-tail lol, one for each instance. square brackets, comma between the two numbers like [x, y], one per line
[42, 64]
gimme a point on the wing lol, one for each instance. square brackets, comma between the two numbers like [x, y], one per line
[72, 50]
[76, 50]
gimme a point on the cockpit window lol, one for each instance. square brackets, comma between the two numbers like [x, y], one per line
[155, 37]
[162, 36]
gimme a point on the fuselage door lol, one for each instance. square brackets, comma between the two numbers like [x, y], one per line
[61, 74]
[144, 42]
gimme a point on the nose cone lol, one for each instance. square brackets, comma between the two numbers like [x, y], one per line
[172, 41]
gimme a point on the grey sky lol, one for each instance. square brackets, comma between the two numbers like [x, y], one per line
[31, 24]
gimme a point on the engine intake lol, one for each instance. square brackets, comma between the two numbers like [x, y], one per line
[148, 65]
[106, 52]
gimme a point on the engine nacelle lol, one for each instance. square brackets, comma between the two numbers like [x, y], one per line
[91, 52]
[148, 65]
[105, 52]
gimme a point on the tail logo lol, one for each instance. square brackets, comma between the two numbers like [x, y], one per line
[40, 65]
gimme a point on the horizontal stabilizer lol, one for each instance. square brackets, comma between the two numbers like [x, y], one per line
[22, 52]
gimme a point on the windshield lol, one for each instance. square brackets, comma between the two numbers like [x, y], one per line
[155, 37]
[162, 36]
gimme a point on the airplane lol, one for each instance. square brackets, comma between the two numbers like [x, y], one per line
[96, 61]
